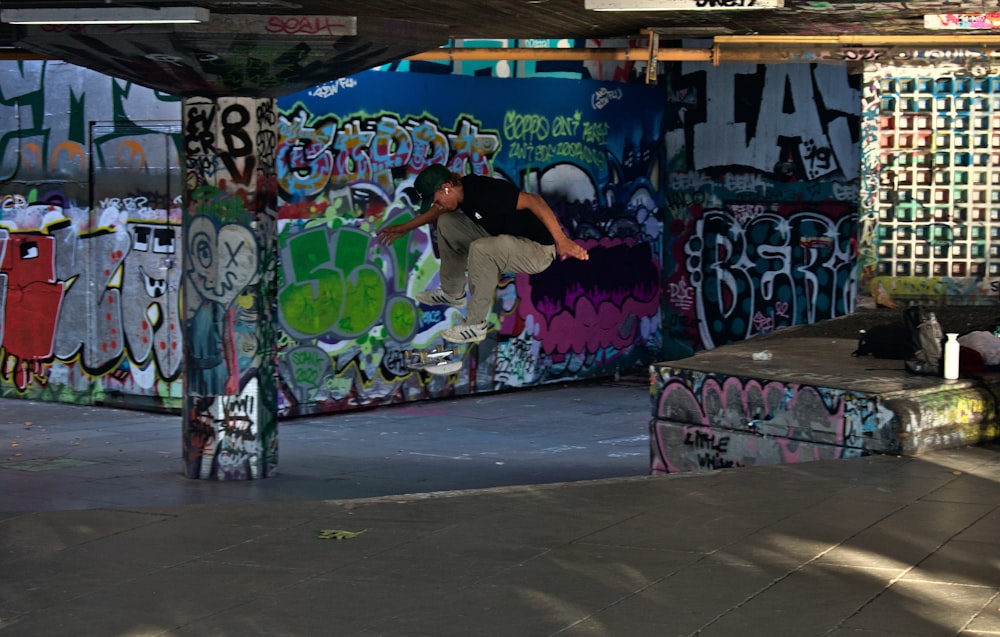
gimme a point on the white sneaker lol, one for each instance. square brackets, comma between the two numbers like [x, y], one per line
[438, 297]
[465, 332]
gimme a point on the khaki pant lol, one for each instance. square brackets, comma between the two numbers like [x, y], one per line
[465, 246]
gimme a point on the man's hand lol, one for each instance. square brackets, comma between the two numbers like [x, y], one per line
[566, 248]
[389, 234]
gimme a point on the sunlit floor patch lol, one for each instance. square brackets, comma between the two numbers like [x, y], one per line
[46, 464]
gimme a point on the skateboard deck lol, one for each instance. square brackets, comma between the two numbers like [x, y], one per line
[437, 361]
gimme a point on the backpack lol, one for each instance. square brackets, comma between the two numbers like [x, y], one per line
[883, 341]
[924, 338]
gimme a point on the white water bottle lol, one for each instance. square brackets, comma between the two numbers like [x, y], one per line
[951, 349]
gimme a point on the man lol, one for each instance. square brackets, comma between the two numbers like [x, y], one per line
[486, 226]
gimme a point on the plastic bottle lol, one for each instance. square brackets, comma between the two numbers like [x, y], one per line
[951, 350]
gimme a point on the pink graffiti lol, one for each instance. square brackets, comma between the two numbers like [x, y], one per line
[609, 312]
[306, 25]
[793, 414]
[962, 21]
[681, 294]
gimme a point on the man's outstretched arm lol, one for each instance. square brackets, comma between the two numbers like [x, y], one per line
[389, 234]
[565, 247]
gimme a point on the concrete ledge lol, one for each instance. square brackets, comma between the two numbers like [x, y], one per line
[812, 400]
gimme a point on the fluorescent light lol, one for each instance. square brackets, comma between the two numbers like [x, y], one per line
[680, 5]
[102, 15]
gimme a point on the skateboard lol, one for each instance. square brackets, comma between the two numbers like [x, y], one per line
[437, 361]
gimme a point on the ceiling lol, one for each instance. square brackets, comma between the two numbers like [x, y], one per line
[239, 53]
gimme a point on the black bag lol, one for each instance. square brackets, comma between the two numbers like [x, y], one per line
[924, 341]
[883, 341]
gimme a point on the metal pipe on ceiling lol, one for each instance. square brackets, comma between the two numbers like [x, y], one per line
[944, 40]
[743, 52]
[522, 53]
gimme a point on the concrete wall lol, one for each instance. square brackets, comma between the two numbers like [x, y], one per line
[719, 205]
[812, 401]
[715, 420]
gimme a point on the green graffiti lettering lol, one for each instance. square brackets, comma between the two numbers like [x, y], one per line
[519, 126]
[563, 126]
[307, 376]
[311, 309]
[331, 285]
[596, 132]
[364, 299]
[401, 319]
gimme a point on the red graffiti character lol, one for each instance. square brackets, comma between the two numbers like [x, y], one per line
[33, 300]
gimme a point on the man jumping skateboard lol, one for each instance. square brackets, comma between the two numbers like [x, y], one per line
[486, 226]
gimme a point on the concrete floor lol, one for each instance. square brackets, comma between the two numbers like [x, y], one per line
[59, 456]
[100, 535]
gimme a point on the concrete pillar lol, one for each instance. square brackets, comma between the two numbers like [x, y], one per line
[230, 429]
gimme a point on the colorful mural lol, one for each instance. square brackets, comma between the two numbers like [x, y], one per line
[348, 155]
[761, 200]
[726, 203]
[89, 236]
[708, 219]
[106, 274]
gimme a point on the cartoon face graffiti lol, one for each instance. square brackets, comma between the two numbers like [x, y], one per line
[151, 282]
[220, 263]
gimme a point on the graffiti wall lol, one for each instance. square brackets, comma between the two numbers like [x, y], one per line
[230, 417]
[347, 158]
[761, 200]
[719, 205]
[704, 421]
[930, 214]
[92, 248]
[90, 244]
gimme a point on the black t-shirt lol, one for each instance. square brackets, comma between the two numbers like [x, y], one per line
[492, 203]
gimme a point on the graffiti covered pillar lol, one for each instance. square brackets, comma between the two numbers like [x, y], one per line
[230, 427]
